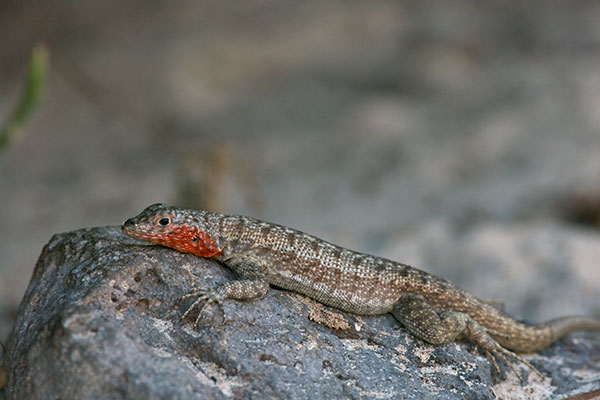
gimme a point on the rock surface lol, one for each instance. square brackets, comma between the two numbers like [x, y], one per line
[100, 320]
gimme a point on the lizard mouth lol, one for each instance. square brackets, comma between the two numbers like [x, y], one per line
[136, 233]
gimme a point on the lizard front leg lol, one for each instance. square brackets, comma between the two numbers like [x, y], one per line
[422, 320]
[251, 286]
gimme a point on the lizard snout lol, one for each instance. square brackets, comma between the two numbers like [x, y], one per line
[128, 225]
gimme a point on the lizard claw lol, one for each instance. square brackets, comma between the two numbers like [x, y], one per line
[194, 293]
[208, 297]
[492, 361]
[502, 354]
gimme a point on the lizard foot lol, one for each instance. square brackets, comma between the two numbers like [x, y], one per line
[208, 297]
[494, 350]
[504, 355]
[243, 289]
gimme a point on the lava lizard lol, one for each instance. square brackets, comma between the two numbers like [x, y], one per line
[262, 254]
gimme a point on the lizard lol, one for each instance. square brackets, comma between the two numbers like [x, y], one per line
[263, 254]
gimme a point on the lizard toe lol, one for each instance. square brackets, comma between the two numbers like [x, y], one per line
[195, 292]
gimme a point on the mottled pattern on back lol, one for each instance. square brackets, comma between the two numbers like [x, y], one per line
[335, 276]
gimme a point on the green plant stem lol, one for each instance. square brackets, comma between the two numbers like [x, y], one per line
[36, 79]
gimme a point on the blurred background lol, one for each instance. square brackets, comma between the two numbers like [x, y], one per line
[461, 137]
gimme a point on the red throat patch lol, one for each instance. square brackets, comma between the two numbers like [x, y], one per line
[189, 239]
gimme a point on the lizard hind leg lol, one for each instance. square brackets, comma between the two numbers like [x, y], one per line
[422, 320]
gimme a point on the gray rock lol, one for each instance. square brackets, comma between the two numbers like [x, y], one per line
[101, 320]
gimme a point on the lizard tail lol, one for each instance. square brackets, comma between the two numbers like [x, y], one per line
[561, 327]
[530, 338]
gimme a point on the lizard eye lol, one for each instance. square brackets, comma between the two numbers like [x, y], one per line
[164, 221]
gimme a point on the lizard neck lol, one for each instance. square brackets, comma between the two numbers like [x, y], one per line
[189, 239]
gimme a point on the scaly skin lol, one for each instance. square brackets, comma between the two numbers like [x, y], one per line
[262, 253]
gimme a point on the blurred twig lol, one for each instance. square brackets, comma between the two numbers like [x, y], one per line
[36, 79]
[210, 174]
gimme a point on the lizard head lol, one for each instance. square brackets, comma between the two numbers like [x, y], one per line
[174, 227]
